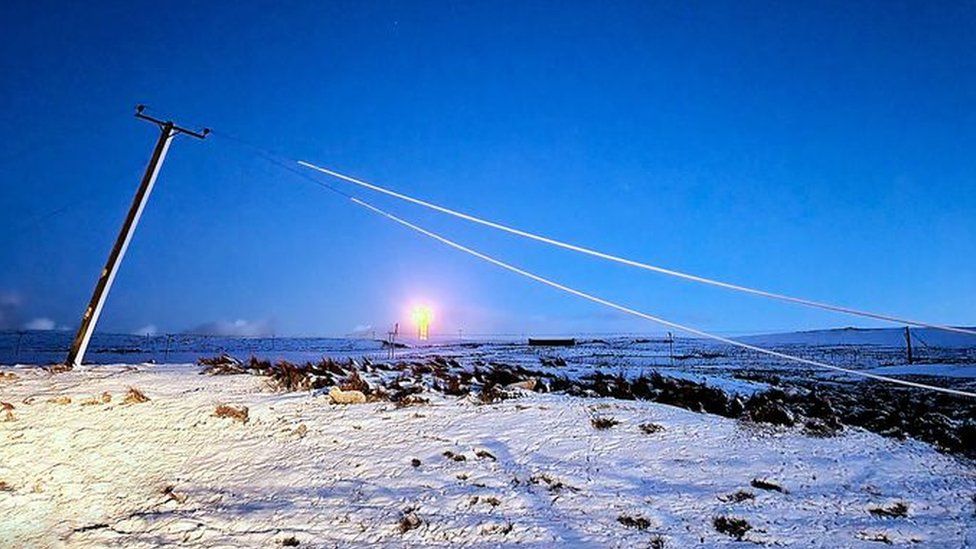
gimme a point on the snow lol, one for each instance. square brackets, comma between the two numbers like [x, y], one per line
[167, 471]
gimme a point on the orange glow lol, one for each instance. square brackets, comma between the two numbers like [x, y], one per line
[422, 317]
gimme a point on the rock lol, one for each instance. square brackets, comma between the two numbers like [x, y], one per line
[338, 396]
[527, 385]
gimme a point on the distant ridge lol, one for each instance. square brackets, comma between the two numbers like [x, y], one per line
[885, 337]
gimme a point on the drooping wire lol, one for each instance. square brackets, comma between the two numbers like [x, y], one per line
[611, 304]
[634, 263]
[652, 318]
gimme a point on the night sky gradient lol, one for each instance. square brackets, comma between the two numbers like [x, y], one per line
[823, 149]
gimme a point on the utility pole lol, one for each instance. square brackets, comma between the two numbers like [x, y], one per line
[391, 340]
[908, 344]
[167, 131]
[671, 347]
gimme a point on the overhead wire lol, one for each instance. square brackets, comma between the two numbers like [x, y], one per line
[621, 308]
[632, 262]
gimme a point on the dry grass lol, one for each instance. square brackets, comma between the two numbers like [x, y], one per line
[456, 457]
[8, 411]
[232, 412]
[738, 497]
[134, 396]
[732, 526]
[104, 398]
[488, 500]
[485, 454]
[638, 522]
[897, 510]
[4, 487]
[61, 400]
[172, 495]
[651, 428]
[764, 484]
[222, 365]
[604, 422]
[552, 484]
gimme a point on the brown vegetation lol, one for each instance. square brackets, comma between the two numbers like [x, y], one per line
[897, 510]
[603, 422]
[232, 412]
[8, 411]
[638, 522]
[104, 398]
[134, 396]
[732, 526]
[651, 428]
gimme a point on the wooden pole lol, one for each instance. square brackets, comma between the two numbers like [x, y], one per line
[167, 131]
[908, 344]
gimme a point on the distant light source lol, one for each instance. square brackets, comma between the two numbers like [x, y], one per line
[422, 317]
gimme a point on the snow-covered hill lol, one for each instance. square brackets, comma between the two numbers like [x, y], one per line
[95, 471]
[884, 337]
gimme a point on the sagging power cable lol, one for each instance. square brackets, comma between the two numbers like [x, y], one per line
[634, 263]
[273, 158]
[652, 318]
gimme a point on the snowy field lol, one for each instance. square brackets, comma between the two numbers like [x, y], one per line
[536, 471]
[82, 465]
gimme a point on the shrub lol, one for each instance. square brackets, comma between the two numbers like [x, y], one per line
[604, 422]
[732, 526]
[232, 412]
[897, 510]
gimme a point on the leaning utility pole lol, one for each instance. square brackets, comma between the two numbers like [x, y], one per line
[167, 131]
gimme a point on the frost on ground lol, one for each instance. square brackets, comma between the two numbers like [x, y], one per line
[223, 461]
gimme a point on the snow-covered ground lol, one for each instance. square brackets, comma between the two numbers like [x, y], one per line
[534, 471]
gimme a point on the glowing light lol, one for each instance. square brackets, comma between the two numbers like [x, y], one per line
[422, 317]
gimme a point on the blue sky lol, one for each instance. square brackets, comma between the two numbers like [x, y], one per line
[820, 149]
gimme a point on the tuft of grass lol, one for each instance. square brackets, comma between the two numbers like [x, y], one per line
[732, 526]
[290, 541]
[738, 497]
[232, 412]
[171, 494]
[604, 422]
[657, 542]
[552, 484]
[222, 365]
[62, 400]
[104, 398]
[651, 428]
[638, 522]
[134, 396]
[4, 487]
[8, 411]
[897, 510]
[764, 484]
[456, 457]
[485, 454]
